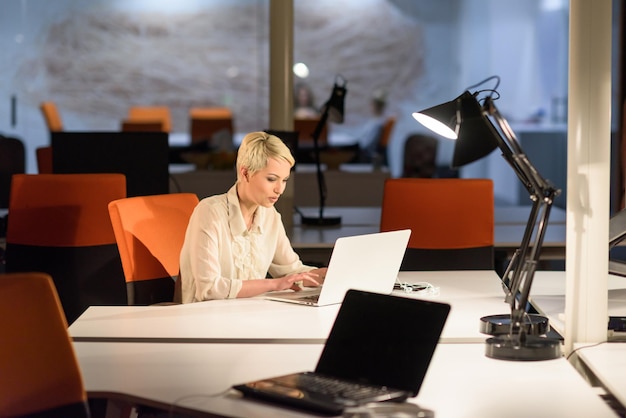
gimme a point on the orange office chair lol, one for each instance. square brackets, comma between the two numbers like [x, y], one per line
[149, 231]
[55, 124]
[12, 161]
[420, 156]
[152, 115]
[59, 224]
[142, 126]
[452, 222]
[39, 373]
[44, 159]
[385, 135]
[204, 122]
[306, 127]
[52, 116]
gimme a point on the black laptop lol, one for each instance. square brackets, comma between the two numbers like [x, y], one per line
[379, 349]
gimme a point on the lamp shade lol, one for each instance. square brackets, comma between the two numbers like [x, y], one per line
[464, 117]
[336, 104]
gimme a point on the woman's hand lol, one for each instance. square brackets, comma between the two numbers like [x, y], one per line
[321, 275]
[309, 278]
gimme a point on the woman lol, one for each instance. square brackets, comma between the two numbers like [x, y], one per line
[304, 102]
[234, 240]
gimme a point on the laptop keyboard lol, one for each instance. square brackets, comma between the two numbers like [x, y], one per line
[310, 298]
[347, 390]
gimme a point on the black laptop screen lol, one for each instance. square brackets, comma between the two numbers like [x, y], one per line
[376, 337]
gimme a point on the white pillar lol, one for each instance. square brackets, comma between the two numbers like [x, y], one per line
[588, 172]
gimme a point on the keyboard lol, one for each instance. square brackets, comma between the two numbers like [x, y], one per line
[310, 298]
[319, 393]
[350, 392]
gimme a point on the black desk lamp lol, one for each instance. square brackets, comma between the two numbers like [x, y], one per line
[478, 130]
[333, 111]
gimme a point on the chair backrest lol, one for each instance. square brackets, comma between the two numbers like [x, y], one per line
[420, 155]
[44, 160]
[152, 114]
[452, 221]
[142, 126]
[150, 231]
[12, 161]
[385, 135]
[59, 224]
[306, 127]
[52, 116]
[204, 122]
[39, 373]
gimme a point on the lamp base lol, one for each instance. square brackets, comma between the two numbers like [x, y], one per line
[321, 221]
[533, 348]
[501, 324]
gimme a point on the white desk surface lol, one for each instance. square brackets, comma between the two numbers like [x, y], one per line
[548, 295]
[472, 295]
[607, 362]
[461, 381]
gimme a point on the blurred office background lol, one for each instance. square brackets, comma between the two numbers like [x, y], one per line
[97, 58]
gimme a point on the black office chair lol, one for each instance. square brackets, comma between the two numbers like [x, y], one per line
[12, 161]
[420, 152]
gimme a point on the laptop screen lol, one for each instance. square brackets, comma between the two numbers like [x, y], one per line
[383, 341]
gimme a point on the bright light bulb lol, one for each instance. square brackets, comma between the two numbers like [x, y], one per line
[301, 70]
[435, 126]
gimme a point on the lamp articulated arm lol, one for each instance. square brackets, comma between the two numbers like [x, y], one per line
[333, 111]
[321, 181]
[520, 272]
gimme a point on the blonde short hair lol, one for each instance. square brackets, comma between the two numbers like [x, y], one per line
[257, 148]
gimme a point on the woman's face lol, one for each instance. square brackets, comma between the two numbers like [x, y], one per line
[266, 185]
[303, 97]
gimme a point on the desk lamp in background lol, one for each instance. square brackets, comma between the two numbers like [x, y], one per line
[473, 120]
[331, 111]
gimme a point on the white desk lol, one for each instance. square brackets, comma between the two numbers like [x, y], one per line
[472, 295]
[461, 381]
[607, 364]
[548, 295]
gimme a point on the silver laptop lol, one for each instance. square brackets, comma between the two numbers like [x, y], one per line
[367, 262]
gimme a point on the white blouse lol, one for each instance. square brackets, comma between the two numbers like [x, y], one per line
[219, 252]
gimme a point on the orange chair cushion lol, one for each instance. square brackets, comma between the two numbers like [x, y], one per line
[150, 231]
[206, 121]
[52, 116]
[385, 135]
[44, 160]
[306, 128]
[151, 114]
[37, 363]
[63, 210]
[442, 213]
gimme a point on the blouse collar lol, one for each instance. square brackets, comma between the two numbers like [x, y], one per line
[235, 217]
